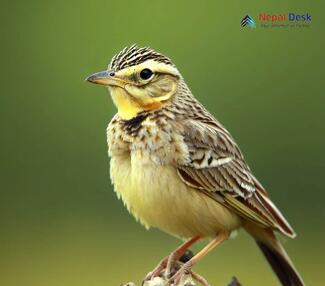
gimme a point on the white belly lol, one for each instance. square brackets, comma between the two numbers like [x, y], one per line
[157, 197]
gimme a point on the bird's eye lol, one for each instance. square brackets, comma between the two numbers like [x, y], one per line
[146, 73]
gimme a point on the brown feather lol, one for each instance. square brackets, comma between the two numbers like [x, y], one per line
[234, 180]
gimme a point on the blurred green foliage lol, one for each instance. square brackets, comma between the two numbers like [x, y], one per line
[61, 223]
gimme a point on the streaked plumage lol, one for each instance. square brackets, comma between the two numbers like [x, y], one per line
[131, 56]
[177, 168]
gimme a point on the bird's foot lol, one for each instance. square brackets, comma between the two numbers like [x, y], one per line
[181, 274]
[184, 275]
[157, 270]
[174, 263]
[168, 266]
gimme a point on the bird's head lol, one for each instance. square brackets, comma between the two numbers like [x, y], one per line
[139, 79]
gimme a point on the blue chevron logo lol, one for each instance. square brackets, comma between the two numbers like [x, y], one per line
[248, 21]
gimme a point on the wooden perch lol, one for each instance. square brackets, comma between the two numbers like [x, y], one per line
[187, 280]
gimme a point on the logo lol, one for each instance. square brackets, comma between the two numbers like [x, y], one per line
[247, 21]
[278, 20]
[284, 17]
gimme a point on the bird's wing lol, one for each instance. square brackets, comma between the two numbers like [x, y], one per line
[216, 167]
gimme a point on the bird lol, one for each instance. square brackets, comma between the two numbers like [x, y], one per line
[178, 169]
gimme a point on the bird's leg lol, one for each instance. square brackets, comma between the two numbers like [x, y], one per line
[186, 268]
[176, 254]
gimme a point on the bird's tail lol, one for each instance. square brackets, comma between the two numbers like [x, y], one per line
[276, 256]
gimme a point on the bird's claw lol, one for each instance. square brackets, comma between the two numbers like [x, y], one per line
[156, 272]
[181, 274]
[151, 275]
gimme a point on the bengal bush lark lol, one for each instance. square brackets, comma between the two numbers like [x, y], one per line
[178, 169]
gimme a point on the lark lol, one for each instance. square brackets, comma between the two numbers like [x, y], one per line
[178, 169]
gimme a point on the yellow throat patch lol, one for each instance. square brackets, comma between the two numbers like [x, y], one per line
[127, 106]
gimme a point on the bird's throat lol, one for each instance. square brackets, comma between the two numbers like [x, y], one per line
[127, 107]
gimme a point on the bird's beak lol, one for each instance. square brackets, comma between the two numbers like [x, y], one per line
[106, 78]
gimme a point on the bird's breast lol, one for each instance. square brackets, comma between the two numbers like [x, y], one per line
[157, 197]
[144, 174]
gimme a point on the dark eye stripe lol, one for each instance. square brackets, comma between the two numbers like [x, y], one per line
[146, 74]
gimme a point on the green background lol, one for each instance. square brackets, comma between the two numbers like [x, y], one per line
[61, 223]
